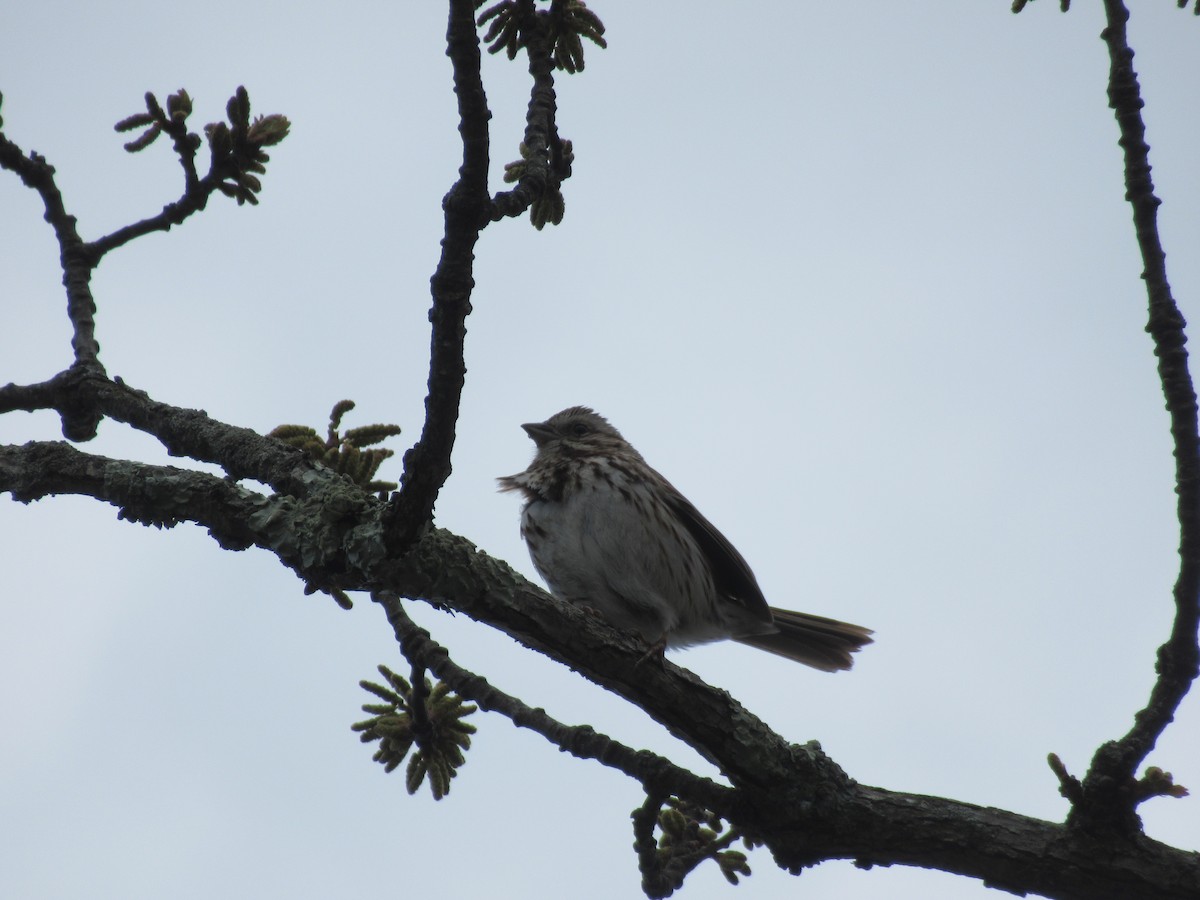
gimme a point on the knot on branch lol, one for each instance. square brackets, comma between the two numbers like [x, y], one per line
[1102, 804]
[76, 406]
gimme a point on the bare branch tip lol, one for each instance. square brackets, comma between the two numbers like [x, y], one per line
[1068, 785]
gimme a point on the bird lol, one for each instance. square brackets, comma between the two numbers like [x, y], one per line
[610, 534]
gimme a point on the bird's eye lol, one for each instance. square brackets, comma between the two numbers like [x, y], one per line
[578, 429]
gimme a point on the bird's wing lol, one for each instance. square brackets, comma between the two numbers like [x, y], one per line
[730, 571]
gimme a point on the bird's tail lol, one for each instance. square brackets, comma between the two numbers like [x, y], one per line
[824, 644]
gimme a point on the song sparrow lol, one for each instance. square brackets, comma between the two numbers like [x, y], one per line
[608, 532]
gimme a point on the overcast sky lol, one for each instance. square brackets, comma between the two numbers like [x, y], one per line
[858, 278]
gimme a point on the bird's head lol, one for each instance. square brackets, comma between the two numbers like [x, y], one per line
[577, 431]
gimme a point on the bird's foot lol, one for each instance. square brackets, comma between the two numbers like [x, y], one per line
[657, 653]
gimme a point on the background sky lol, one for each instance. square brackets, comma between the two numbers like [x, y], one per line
[858, 278]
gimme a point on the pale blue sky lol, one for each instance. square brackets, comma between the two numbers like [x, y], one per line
[858, 278]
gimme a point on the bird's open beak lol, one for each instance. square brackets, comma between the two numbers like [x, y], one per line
[540, 432]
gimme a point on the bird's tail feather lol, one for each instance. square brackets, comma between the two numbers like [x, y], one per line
[824, 644]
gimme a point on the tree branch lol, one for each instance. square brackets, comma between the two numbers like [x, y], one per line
[236, 159]
[193, 200]
[161, 496]
[539, 173]
[236, 156]
[331, 533]
[1003, 849]
[195, 191]
[791, 797]
[427, 463]
[468, 209]
[189, 433]
[1109, 799]
[38, 174]
[581, 741]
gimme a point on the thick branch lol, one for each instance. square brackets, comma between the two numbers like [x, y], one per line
[331, 533]
[427, 463]
[189, 433]
[792, 797]
[1005, 850]
[1108, 798]
[161, 496]
[446, 570]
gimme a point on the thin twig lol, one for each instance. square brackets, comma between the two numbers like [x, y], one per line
[417, 698]
[229, 172]
[77, 265]
[541, 129]
[655, 881]
[193, 200]
[660, 775]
